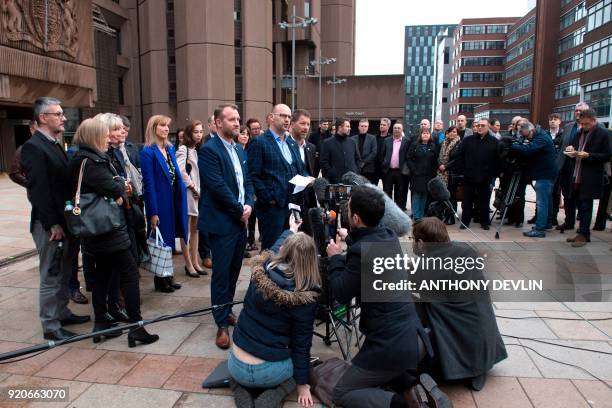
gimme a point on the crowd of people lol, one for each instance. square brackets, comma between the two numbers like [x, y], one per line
[212, 191]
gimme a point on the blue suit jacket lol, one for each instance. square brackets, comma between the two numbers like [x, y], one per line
[159, 197]
[269, 170]
[220, 210]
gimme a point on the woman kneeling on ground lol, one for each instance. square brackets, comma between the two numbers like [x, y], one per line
[273, 336]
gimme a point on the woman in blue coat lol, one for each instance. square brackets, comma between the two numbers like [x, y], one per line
[164, 190]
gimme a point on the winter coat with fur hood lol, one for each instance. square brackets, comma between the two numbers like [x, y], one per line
[277, 322]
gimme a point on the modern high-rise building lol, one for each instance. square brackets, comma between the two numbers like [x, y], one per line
[180, 58]
[442, 74]
[420, 57]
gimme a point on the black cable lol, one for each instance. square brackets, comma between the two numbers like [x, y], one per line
[25, 358]
[555, 318]
[557, 344]
[562, 362]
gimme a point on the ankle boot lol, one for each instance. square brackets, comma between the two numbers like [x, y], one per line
[104, 326]
[119, 314]
[142, 336]
[172, 283]
[162, 285]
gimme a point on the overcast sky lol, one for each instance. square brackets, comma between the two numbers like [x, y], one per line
[380, 26]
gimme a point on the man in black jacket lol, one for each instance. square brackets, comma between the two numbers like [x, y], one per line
[394, 336]
[480, 158]
[366, 143]
[46, 167]
[383, 128]
[588, 152]
[339, 154]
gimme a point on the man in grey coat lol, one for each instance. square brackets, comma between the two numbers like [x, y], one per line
[368, 149]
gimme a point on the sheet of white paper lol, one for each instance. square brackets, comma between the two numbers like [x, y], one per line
[300, 183]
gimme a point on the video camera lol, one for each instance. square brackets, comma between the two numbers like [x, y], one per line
[512, 161]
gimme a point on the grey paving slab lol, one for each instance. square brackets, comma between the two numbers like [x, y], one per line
[518, 363]
[193, 400]
[589, 306]
[201, 343]
[105, 396]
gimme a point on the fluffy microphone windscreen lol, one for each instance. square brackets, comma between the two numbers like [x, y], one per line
[438, 190]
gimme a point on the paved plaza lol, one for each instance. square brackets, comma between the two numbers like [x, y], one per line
[169, 372]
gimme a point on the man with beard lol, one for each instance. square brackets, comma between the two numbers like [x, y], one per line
[225, 207]
[274, 159]
[340, 154]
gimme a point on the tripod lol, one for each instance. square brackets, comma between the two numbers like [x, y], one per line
[340, 321]
[506, 200]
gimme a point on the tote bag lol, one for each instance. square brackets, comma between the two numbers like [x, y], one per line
[160, 263]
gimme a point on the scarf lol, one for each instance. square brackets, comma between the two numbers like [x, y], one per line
[582, 141]
[132, 174]
[447, 147]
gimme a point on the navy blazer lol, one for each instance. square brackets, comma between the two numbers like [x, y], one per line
[161, 199]
[270, 172]
[220, 210]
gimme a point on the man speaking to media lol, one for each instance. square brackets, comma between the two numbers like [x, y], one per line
[394, 336]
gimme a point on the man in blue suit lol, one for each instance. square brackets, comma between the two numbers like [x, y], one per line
[274, 159]
[225, 207]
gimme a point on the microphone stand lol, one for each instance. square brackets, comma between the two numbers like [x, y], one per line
[113, 330]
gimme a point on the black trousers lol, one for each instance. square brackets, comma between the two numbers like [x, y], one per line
[251, 228]
[203, 245]
[602, 215]
[108, 266]
[372, 177]
[556, 202]
[395, 185]
[478, 194]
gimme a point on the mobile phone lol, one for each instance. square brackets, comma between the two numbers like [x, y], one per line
[296, 211]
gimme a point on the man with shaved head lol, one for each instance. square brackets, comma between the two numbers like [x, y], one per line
[461, 127]
[274, 159]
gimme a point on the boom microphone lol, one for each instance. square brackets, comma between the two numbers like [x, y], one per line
[438, 190]
[319, 186]
[394, 219]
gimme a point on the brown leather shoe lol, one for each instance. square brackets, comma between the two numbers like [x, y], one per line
[578, 241]
[207, 263]
[223, 340]
[232, 319]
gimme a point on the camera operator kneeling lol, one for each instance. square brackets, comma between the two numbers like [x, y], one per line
[394, 340]
[542, 168]
[273, 336]
[465, 336]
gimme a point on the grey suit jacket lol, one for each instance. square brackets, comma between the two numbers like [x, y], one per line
[368, 157]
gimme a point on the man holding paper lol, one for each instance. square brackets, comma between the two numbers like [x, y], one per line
[274, 159]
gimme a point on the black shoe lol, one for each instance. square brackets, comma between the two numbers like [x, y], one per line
[162, 285]
[462, 227]
[110, 319]
[119, 315]
[104, 326]
[172, 283]
[191, 275]
[202, 272]
[518, 225]
[564, 226]
[59, 334]
[485, 227]
[74, 319]
[477, 383]
[142, 336]
[532, 220]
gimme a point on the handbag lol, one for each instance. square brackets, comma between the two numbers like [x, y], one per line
[160, 262]
[405, 170]
[92, 214]
[325, 376]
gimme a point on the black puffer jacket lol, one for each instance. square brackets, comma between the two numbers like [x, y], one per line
[101, 178]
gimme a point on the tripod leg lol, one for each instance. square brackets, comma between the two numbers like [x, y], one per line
[335, 333]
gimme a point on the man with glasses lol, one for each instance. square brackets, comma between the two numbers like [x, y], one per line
[273, 160]
[46, 166]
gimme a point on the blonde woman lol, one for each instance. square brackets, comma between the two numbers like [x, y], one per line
[273, 336]
[187, 159]
[164, 190]
[111, 251]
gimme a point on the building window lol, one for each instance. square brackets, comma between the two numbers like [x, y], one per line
[486, 61]
[572, 40]
[520, 99]
[567, 89]
[565, 2]
[483, 45]
[479, 92]
[464, 107]
[474, 29]
[496, 29]
[518, 85]
[307, 8]
[598, 54]
[527, 27]
[566, 112]
[482, 76]
[599, 97]
[520, 49]
[572, 16]
[599, 14]
[521, 66]
[571, 64]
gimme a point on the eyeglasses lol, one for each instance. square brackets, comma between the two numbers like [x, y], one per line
[282, 115]
[58, 114]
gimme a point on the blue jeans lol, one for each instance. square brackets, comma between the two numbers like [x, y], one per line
[543, 189]
[268, 374]
[417, 202]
